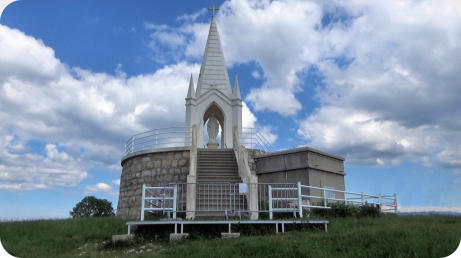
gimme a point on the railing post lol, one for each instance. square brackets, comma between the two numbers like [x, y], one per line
[132, 144]
[231, 189]
[395, 202]
[142, 201]
[175, 194]
[362, 198]
[324, 198]
[300, 200]
[380, 202]
[270, 202]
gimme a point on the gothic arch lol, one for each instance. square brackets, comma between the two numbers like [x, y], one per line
[218, 112]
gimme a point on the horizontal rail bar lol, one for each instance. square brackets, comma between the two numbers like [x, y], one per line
[284, 199]
[315, 206]
[285, 209]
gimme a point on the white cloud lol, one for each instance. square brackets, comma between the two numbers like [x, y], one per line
[429, 209]
[248, 118]
[83, 117]
[22, 170]
[389, 68]
[279, 100]
[246, 27]
[100, 188]
[116, 182]
[398, 97]
[192, 17]
[267, 134]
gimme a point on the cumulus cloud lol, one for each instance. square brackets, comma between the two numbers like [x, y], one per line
[434, 209]
[245, 28]
[22, 170]
[83, 117]
[100, 188]
[399, 96]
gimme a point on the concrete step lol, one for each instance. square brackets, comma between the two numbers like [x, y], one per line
[218, 173]
[219, 161]
[224, 158]
[211, 179]
[232, 168]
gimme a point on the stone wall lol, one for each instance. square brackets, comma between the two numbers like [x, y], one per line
[157, 168]
[252, 154]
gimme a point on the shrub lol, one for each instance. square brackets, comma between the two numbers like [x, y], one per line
[341, 210]
[91, 206]
[369, 210]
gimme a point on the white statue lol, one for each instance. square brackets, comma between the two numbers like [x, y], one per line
[212, 129]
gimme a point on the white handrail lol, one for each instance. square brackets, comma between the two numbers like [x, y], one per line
[179, 136]
[252, 139]
[273, 197]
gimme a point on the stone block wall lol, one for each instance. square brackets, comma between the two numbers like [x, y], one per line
[152, 169]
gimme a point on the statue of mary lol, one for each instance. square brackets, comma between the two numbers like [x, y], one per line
[212, 129]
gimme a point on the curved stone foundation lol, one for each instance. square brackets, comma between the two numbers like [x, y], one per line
[153, 168]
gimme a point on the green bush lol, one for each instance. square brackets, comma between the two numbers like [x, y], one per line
[369, 210]
[341, 210]
[91, 206]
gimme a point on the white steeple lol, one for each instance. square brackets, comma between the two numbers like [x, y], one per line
[191, 91]
[236, 91]
[213, 72]
[213, 96]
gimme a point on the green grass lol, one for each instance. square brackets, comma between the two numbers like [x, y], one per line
[385, 236]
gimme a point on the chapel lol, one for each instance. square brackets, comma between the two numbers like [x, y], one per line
[212, 166]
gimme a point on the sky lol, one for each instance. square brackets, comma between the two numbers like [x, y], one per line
[377, 82]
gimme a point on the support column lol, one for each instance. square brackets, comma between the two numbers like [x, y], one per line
[192, 177]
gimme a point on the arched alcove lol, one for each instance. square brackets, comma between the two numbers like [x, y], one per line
[215, 110]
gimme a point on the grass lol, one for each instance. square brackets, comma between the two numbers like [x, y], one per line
[385, 236]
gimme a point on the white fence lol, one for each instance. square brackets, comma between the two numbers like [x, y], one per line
[228, 199]
[252, 139]
[155, 199]
[181, 136]
[159, 138]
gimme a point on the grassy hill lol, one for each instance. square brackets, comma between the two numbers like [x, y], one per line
[385, 236]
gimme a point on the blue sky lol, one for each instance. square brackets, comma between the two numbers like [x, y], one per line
[377, 82]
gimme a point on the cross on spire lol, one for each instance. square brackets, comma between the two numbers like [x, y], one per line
[213, 9]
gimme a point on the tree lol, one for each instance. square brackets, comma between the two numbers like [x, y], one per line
[91, 206]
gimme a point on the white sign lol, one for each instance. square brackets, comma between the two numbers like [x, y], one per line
[243, 189]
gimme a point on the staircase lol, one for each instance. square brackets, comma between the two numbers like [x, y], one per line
[217, 183]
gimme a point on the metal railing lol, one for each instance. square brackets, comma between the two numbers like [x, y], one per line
[159, 138]
[159, 199]
[252, 139]
[231, 199]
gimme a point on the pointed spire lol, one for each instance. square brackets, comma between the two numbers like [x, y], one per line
[236, 92]
[199, 88]
[191, 91]
[213, 70]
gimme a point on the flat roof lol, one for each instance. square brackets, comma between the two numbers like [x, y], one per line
[300, 149]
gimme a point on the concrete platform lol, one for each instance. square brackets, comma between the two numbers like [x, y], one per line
[181, 223]
[122, 238]
[178, 237]
[225, 235]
